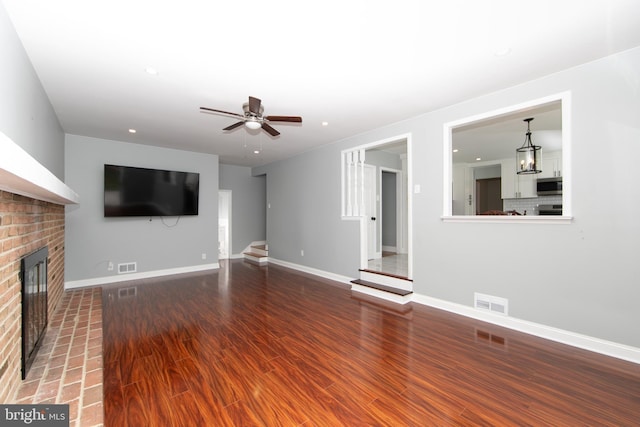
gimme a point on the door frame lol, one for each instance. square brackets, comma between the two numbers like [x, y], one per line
[228, 194]
[400, 215]
[372, 211]
[407, 137]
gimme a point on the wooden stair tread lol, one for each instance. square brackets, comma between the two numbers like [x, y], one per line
[255, 255]
[396, 291]
[262, 247]
[382, 273]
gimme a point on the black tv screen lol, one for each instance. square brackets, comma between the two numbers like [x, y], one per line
[131, 191]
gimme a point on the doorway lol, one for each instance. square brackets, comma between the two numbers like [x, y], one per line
[488, 195]
[390, 159]
[224, 224]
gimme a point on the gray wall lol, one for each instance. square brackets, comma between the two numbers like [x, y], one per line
[304, 214]
[26, 115]
[92, 240]
[585, 274]
[248, 209]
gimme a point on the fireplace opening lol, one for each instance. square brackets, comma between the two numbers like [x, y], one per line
[33, 275]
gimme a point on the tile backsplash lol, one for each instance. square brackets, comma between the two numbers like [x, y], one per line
[530, 205]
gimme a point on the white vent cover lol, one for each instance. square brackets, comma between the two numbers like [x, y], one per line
[490, 303]
[129, 267]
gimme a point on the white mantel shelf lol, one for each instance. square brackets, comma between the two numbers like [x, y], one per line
[22, 174]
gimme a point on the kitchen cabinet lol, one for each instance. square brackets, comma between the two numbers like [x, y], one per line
[516, 186]
[551, 164]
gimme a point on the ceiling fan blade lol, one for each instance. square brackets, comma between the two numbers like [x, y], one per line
[254, 105]
[295, 119]
[211, 110]
[233, 126]
[270, 130]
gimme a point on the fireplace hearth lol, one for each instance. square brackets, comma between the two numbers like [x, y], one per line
[33, 275]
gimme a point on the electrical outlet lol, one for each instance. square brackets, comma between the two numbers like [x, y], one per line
[204, 256]
[110, 266]
[301, 252]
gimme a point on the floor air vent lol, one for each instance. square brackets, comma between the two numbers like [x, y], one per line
[490, 303]
[130, 267]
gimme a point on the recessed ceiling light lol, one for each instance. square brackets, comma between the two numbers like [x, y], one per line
[132, 131]
[478, 159]
[256, 151]
[503, 51]
[325, 123]
[455, 150]
[152, 71]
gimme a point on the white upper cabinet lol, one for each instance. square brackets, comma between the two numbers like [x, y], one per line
[551, 164]
[516, 186]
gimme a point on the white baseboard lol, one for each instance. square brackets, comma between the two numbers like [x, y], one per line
[585, 342]
[98, 281]
[597, 345]
[314, 271]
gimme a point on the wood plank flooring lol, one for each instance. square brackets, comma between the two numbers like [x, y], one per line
[268, 346]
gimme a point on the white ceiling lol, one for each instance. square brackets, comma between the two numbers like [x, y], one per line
[357, 65]
[497, 138]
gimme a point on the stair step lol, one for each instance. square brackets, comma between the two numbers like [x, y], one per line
[383, 273]
[386, 279]
[261, 247]
[255, 254]
[396, 291]
[395, 308]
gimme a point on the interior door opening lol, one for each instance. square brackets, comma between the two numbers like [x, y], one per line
[488, 195]
[392, 223]
[224, 224]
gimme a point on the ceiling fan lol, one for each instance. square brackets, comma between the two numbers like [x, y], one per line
[253, 118]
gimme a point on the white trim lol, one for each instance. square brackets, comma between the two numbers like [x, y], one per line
[229, 220]
[597, 345]
[22, 174]
[98, 281]
[400, 202]
[564, 97]
[310, 270]
[510, 219]
[370, 171]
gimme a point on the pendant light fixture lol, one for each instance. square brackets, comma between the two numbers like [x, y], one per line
[528, 156]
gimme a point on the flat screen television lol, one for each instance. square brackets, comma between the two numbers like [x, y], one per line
[131, 191]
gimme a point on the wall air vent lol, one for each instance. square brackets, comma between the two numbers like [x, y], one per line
[129, 267]
[127, 292]
[490, 303]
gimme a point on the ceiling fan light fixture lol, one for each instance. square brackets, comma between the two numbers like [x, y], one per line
[253, 124]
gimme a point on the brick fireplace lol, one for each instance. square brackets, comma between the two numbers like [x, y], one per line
[26, 225]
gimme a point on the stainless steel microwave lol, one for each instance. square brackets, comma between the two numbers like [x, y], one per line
[549, 186]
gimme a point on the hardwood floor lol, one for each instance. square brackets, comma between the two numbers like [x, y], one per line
[268, 346]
